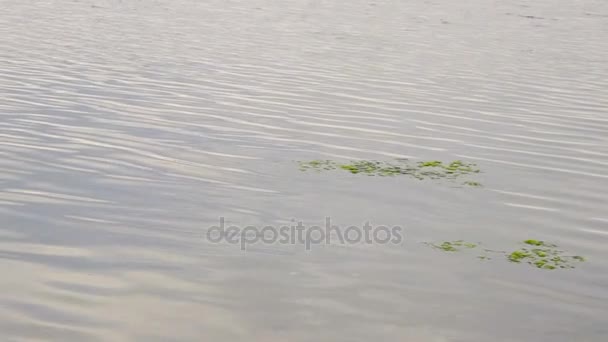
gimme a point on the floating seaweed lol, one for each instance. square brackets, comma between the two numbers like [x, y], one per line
[422, 170]
[541, 255]
[454, 246]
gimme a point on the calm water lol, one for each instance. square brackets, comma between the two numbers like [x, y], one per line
[128, 127]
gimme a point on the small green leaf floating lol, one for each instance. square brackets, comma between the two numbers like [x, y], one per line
[422, 170]
[543, 255]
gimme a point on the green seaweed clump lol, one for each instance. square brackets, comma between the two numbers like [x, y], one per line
[373, 168]
[452, 170]
[544, 255]
[537, 243]
[518, 256]
[541, 255]
[422, 170]
[434, 163]
[454, 246]
[317, 165]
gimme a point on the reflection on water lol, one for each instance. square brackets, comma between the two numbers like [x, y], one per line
[128, 127]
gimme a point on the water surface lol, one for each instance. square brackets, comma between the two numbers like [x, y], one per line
[129, 127]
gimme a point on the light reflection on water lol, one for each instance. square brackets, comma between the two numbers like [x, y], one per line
[129, 127]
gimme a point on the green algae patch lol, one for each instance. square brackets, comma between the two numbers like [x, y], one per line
[536, 253]
[434, 163]
[534, 242]
[458, 246]
[543, 255]
[317, 165]
[422, 170]
[454, 246]
[518, 256]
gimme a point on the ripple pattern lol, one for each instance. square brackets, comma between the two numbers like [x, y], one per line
[127, 127]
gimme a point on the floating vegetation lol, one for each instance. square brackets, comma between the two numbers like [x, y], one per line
[454, 246]
[422, 170]
[544, 255]
[317, 165]
[540, 255]
[537, 243]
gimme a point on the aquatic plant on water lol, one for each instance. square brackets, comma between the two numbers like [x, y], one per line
[422, 170]
[454, 246]
[543, 255]
[536, 253]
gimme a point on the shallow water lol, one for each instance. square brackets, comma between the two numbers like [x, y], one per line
[129, 127]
